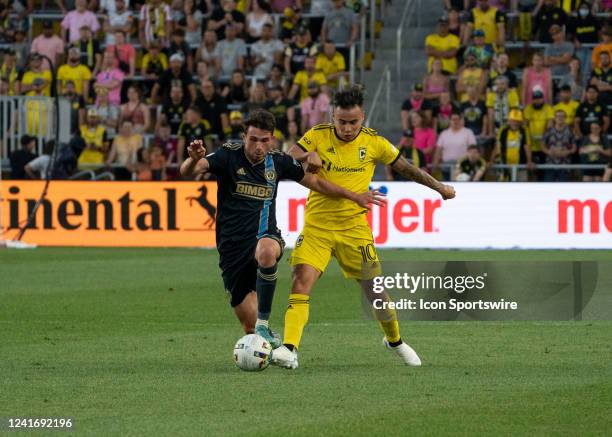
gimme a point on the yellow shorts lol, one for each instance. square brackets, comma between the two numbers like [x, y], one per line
[353, 248]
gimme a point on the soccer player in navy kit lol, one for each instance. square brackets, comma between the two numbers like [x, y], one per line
[248, 241]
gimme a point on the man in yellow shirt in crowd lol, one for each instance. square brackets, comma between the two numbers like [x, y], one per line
[331, 64]
[36, 72]
[491, 20]
[500, 102]
[567, 104]
[93, 134]
[442, 45]
[539, 117]
[76, 72]
[513, 145]
[303, 77]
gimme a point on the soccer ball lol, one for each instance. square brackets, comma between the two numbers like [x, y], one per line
[252, 353]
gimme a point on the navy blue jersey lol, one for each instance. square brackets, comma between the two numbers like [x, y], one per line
[246, 194]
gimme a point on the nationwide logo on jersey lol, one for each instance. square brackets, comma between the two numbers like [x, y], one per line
[331, 150]
[241, 172]
[362, 153]
[270, 175]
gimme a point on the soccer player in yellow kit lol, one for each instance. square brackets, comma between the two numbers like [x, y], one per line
[348, 153]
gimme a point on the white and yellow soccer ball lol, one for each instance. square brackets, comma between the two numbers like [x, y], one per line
[252, 353]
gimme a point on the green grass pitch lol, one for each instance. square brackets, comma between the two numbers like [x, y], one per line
[139, 342]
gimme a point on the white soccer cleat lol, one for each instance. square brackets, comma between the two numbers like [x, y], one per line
[283, 357]
[405, 352]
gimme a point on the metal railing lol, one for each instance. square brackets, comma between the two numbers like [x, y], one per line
[383, 85]
[408, 14]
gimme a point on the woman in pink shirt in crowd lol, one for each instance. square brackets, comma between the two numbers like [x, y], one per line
[436, 82]
[537, 76]
[424, 135]
[74, 20]
[125, 54]
[111, 78]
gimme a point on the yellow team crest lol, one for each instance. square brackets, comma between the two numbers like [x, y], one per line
[362, 153]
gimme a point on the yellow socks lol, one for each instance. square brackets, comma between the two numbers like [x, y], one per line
[296, 318]
[387, 319]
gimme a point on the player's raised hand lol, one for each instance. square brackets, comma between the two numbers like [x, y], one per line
[447, 192]
[196, 150]
[372, 197]
[313, 163]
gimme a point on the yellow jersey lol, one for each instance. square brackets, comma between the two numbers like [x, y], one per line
[570, 110]
[537, 122]
[487, 22]
[36, 116]
[301, 80]
[330, 66]
[443, 43]
[347, 164]
[29, 77]
[77, 74]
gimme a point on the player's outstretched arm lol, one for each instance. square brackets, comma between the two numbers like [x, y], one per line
[323, 186]
[196, 163]
[419, 176]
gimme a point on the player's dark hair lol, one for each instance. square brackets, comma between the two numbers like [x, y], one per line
[260, 119]
[348, 97]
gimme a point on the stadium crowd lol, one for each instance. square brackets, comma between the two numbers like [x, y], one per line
[526, 82]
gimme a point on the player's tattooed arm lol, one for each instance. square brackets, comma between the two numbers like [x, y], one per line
[196, 164]
[419, 176]
[311, 160]
[323, 186]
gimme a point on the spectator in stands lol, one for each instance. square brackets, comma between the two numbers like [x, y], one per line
[601, 77]
[48, 44]
[22, 49]
[109, 6]
[539, 117]
[95, 140]
[331, 63]
[443, 110]
[173, 110]
[125, 54]
[76, 72]
[236, 127]
[193, 128]
[77, 106]
[499, 104]
[76, 19]
[154, 63]
[435, 82]
[499, 67]
[472, 167]
[292, 136]
[492, 22]
[37, 168]
[257, 98]
[279, 6]
[567, 104]
[291, 21]
[583, 30]
[558, 145]
[135, 111]
[559, 53]
[474, 112]
[19, 158]
[455, 26]
[91, 56]
[226, 16]
[604, 46]
[155, 23]
[213, 108]
[594, 149]
[175, 75]
[256, 19]
[278, 78]
[319, 9]
[120, 18]
[191, 24]
[167, 144]
[236, 92]
[413, 155]
[340, 26]
[297, 52]
[482, 51]
[122, 154]
[304, 77]
[281, 107]
[37, 111]
[207, 53]
[179, 45]
[537, 76]
[231, 52]
[574, 79]
[9, 73]
[513, 145]
[314, 109]
[415, 103]
[470, 75]
[35, 71]
[548, 15]
[452, 145]
[424, 134]
[111, 79]
[590, 111]
[8, 24]
[109, 114]
[266, 52]
[442, 45]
